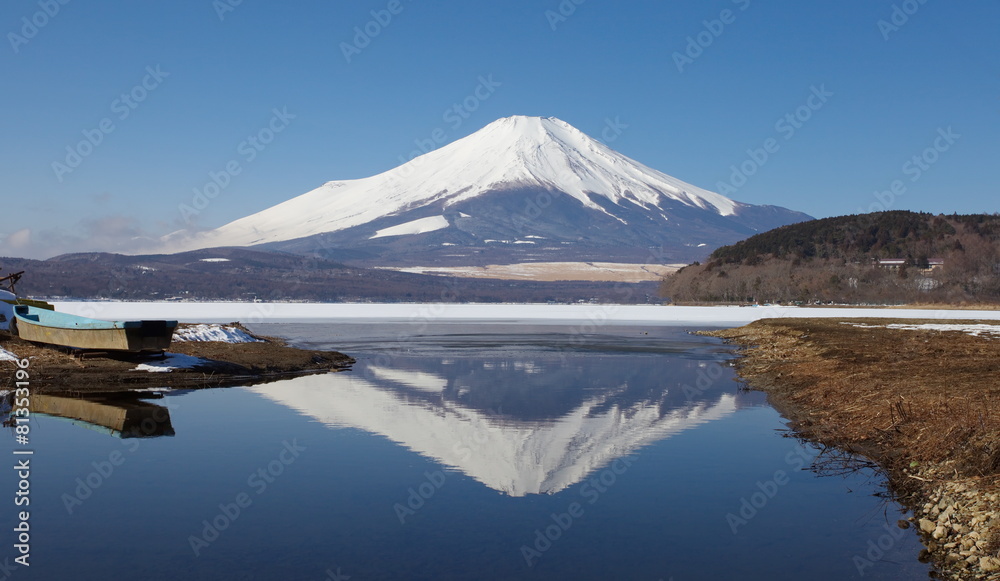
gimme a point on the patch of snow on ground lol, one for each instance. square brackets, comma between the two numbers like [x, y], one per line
[974, 330]
[7, 355]
[415, 227]
[218, 333]
[171, 362]
[214, 260]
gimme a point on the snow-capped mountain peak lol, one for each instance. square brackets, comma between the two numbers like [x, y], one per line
[467, 189]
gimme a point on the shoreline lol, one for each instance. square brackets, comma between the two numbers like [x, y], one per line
[919, 403]
[193, 364]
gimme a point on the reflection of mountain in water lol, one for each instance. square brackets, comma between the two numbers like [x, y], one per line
[529, 426]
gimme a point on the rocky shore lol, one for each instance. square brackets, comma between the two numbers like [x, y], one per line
[197, 362]
[920, 398]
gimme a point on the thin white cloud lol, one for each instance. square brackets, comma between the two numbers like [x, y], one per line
[115, 233]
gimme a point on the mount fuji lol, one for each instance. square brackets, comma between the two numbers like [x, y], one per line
[522, 189]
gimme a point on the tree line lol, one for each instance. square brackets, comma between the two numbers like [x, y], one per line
[837, 259]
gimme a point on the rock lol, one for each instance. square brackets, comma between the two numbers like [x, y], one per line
[903, 524]
[927, 526]
[989, 564]
[939, 532]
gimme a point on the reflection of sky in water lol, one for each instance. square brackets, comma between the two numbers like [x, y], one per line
[521, 419]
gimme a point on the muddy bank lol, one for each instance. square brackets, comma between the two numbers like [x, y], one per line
[195, 364]
[924, 404]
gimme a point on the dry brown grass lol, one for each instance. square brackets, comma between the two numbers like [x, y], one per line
[930, 396]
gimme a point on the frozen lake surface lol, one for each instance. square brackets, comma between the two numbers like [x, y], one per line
[511, 313]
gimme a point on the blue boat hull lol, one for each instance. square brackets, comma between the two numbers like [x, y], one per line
[54, 328]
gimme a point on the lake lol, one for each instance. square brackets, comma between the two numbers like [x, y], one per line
[456, 451]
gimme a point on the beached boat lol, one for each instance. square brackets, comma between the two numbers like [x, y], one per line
[45, 326]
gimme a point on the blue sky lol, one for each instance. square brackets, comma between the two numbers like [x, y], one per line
[200, 78]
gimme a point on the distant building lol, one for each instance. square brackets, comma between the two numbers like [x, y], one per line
[897, 263]
[891, 263]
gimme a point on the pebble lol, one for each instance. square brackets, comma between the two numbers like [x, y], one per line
[989, 564]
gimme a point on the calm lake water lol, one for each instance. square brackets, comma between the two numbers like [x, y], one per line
[457, 452]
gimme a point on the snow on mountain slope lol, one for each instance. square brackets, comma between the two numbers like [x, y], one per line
[511, 153]
[419, 226]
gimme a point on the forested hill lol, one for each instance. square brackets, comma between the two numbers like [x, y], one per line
[942, 258]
